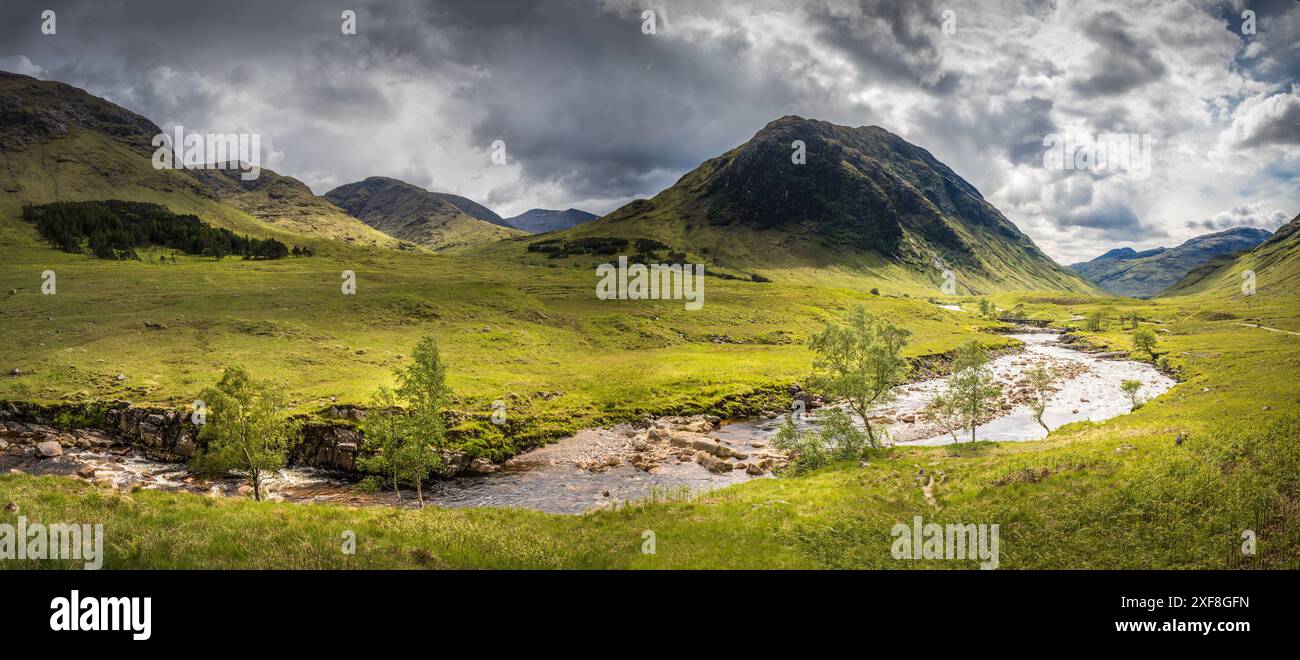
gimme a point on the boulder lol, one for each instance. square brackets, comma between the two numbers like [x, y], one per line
[482, 465]
[49, 449]
[712, 463]
[699, 426]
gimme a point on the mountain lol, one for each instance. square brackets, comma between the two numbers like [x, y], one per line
[475, 210]
[413, 214]
[1123, 253]
[1275, 262]
[60, 143]
[864, 198]
[1144, 274]
[538, 221]
[288, 203]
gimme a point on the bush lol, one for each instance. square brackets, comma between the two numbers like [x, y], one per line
[837, 439]
[1144, 339]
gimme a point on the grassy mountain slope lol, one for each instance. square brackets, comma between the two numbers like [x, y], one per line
[59, 143]
[1145, 274]
[289, 204]
[865, 198]
[474, 209]
[413, 214]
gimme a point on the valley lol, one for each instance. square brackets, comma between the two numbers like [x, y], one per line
[549, 382]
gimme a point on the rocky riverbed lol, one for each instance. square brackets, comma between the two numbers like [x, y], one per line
[591, 469]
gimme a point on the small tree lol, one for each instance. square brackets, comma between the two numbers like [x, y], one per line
[404, 446]
[1133, 320]
[986, 308]
[860, 360]
[1130, 389]
[1097, 321]
[1144, 339]
[972, 384]
[385, 430]
[943, 413]
[245, 431]
[423, 385]
[1040, 378]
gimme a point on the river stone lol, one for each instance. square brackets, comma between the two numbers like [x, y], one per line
[482, 466]
[49, 449]
[712, 463]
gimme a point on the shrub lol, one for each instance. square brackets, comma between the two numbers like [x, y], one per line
[836, 439]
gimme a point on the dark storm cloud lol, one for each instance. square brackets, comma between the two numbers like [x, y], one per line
[1122, 59]
[888, 40]
[1109, 217]
[581, 97]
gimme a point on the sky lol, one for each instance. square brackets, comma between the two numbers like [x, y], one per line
[594, 112]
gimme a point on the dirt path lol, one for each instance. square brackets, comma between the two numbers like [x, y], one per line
[1264, 327]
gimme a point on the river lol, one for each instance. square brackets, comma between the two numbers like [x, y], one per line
[559, 477]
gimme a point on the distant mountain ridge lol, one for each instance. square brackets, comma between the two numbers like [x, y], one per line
[539, 221]
[1275, 263]
[410, 213]
[1125, 253]
[1126, 272]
